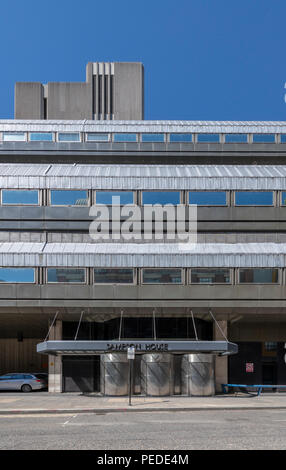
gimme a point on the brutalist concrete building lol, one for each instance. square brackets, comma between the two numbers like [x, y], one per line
[73, 300]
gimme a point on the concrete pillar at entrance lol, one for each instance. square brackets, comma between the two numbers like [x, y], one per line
[221, 363]
[55, 362]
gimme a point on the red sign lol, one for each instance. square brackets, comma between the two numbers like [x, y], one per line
[249, 367]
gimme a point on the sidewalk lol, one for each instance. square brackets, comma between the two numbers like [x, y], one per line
[44, 402]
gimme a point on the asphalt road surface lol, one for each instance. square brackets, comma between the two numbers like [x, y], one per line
[194, 430]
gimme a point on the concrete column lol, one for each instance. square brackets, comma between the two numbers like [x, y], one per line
[221, 363]
[55, 362]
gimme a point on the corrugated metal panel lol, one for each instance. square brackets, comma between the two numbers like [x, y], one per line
[143, 255]
[152, 177]
[144, 126]
[19, 356]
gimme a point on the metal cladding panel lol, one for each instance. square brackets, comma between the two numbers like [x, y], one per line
[143, 255]
[142, 347]
[143, 126]
[151, 177]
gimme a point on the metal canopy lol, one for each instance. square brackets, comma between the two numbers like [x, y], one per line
[147, 255]
[78, 347]
[47, 125]
[143, 177]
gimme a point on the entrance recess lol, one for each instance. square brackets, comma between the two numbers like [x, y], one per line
[81, 374]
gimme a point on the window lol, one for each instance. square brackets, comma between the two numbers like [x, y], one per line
[209, 138]
[17, 275]
[283, 198]
[14, 136]
[114, 276]
[153, 137]
[270, 346]
[66, 275]
[68, 137]
[208, 198]
[161, 276]
[210, 276]
[263, 138]
[283, 138]
[41, 136]
[258, 276]
[160, 197]
[20, 197]
[68, 197]
[235, 138]
[125, 137]
[92, 137]
[105, 197]
[254, 198]
[181, 138]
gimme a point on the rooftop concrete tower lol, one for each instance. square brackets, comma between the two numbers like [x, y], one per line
[112, 91]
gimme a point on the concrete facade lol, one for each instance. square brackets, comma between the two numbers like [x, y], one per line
[253, 315]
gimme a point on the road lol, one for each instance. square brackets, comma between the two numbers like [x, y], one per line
[195, 430]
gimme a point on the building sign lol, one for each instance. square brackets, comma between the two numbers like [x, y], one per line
[143, 347]
[249, 367]
[139, 347]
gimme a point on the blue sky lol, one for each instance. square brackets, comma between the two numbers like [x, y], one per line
[203, 59]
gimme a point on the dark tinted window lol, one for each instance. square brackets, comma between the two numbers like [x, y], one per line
[162, 276]
[66, 275]
[113, 276]
[210, 276]
[258, 276]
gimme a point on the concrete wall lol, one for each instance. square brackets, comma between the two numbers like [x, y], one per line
[29, 100]
[257, 331]
[69, 101]
[128, 91]
[21, 356]
[226, 220]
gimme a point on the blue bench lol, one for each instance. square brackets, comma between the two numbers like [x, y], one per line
[258, 387]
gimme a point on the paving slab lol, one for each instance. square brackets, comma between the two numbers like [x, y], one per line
[44, 402]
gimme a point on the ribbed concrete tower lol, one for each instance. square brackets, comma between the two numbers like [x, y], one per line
[112, 91]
